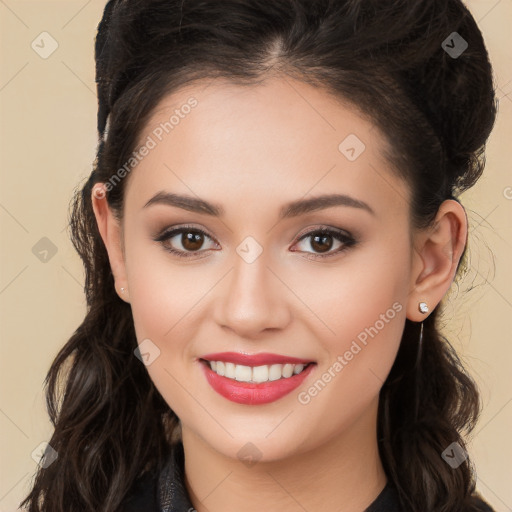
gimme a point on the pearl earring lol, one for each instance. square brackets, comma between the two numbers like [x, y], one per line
[122, 290]
[422, 306]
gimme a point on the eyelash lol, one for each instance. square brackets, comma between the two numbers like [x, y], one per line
[346, 239]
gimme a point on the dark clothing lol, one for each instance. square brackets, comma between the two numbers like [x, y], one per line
[167, 492]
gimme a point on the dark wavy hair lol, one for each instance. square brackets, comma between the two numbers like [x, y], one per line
[385, 57]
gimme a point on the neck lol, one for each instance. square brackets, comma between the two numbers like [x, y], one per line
[345, 472]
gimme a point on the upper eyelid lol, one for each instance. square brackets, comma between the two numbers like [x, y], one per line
[168, 230]
[325, 228]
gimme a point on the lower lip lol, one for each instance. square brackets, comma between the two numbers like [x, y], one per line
[250, 393]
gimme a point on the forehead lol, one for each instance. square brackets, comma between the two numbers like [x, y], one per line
[278, 138]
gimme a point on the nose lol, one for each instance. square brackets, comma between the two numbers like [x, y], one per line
[252, 299]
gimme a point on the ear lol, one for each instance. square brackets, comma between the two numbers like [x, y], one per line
[437, 252]
[111, 233]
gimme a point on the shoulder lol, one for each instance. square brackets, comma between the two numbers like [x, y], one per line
[160, 487]
[143, 495]
[388, 501]
[479, 505]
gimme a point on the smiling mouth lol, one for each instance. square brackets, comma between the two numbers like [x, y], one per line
[255, 374]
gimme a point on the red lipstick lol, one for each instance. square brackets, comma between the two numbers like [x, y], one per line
[252, 393]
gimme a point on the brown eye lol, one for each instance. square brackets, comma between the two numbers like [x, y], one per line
[321, 241]
[192, 241]
[183, 241]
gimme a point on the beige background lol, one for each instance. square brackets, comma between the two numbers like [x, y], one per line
[48, 141]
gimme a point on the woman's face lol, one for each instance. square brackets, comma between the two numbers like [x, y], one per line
[264, 279]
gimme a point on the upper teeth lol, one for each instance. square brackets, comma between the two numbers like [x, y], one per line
[255, 373]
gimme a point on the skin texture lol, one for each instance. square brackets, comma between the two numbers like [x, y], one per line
[251, 150]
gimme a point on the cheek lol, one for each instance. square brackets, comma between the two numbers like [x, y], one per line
[362, 305]
[168, 302]
[163, 299]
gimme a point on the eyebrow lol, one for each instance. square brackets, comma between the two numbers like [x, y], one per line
[291, 209]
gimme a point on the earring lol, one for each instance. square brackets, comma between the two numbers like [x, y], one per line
[417, 370]
[422, 306]
[420, 346]
[122, 290]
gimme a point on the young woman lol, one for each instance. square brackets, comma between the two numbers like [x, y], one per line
[268, 233]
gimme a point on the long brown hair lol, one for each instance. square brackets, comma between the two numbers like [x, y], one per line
[389, 59]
